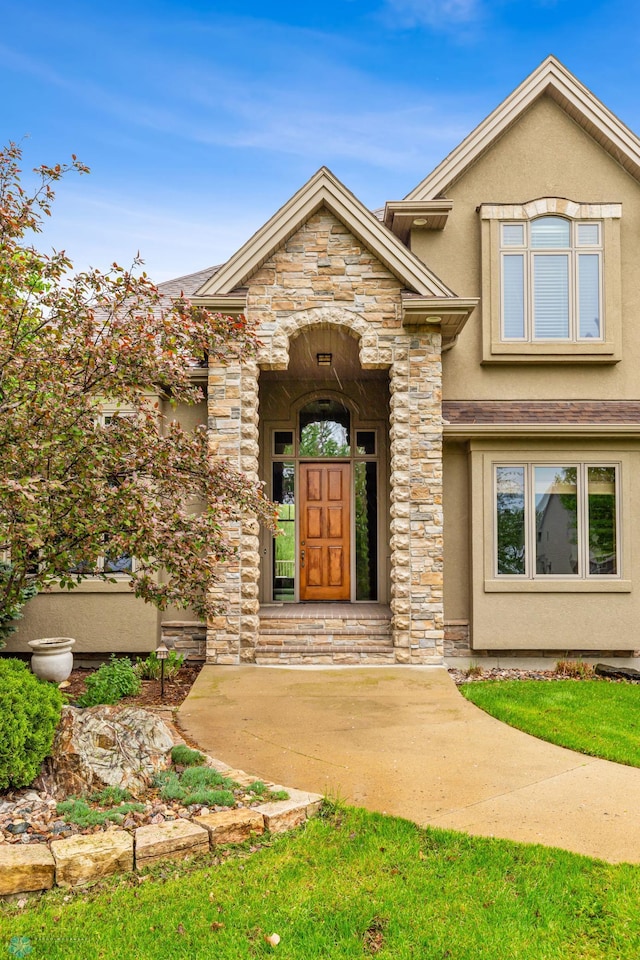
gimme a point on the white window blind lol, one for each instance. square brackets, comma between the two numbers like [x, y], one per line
[552, 289]
[589, 294]
[550, 232]
[551, 296]
[513, 296]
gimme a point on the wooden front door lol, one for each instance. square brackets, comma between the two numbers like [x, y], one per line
[325, 531]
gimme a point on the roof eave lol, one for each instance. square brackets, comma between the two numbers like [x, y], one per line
[403, 216]
[477, 431]
[449, 314]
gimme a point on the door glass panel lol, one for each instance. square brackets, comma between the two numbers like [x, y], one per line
[325, 429]
[556, 520]
[284, 545]
[365, 443]
[366, 504]
[283, 443]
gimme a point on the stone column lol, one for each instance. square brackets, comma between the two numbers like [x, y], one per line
[233, 436]
[416, 499]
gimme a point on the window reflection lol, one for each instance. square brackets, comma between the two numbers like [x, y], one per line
[556, 492]
[325, 429]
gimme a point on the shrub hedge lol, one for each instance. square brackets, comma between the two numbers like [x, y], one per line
[29, 714]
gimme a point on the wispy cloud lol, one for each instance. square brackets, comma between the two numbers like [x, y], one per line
[436, 14]
[284, 109]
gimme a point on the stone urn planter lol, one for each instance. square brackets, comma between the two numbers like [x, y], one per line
[52, 658]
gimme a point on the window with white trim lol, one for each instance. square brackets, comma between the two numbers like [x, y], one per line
[556, 520]
[551, 273]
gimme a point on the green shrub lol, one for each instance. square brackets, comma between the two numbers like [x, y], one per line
[150, 668]
[29, 714]
[77, 810]
[110, 796]
[111, 682]
[210, 798]
[195, 785]
[204, 777]
[186, 757]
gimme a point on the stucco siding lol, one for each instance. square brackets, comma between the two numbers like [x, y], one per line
[554, 613]
[545, 154]
[100, 622]
[457, 557]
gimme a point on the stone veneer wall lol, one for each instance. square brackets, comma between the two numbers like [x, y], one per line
[324, 276]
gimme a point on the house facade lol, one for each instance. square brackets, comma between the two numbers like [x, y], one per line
[445, 406]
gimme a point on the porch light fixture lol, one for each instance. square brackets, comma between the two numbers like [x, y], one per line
[324, 359]
[419, 222]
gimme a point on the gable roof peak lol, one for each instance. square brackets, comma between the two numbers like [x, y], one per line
[552, 78]
[324, 189]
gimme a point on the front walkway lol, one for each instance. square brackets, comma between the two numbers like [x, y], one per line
[403, 741]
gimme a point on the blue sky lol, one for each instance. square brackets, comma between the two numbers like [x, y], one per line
[199, 120]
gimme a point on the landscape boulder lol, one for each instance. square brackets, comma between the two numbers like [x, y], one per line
[617, 673]
[105, 746]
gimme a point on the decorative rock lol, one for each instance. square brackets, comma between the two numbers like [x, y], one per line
[617, 673]
[18, 826]
[105, 746]
[232, 826]
[24, 868]
[86, 858]
[282, 815]
[174, 840]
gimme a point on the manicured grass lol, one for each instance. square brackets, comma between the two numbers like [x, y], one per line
[350, 885]
[591, 716]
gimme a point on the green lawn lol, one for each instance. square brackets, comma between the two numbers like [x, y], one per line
[350, 885]
[591, 716]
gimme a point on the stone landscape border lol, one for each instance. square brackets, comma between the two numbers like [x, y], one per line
[83, 859]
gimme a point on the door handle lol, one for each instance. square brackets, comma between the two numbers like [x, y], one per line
[302, 558]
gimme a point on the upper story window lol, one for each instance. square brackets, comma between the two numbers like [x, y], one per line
[551, 280]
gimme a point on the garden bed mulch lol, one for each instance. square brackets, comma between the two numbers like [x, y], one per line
[175, 690]
[478, 675]
[496, 673]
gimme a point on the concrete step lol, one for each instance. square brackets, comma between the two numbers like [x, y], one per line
[324, 653]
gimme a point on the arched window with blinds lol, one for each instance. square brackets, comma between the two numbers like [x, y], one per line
[551, 270]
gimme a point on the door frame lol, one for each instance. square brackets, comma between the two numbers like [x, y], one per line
[268, 429]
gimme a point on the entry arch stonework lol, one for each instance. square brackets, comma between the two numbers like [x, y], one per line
[274, 352]
[324, 277]
[415, 490]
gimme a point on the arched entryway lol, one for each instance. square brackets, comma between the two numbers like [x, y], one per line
[324, 441]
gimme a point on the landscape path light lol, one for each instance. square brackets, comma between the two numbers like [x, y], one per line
[162, 652]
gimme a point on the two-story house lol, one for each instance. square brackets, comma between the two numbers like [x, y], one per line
[445, 406]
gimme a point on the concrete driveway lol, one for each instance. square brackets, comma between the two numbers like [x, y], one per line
[403, 741]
